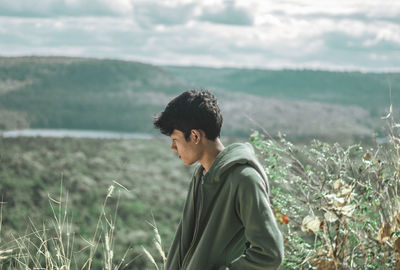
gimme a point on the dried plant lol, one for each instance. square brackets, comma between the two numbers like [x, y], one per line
[338, 207]
[53, 247]
[158, 245]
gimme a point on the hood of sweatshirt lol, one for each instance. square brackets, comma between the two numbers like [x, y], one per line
[233, 155]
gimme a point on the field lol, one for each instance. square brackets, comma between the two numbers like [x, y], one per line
[149, 180]
[101, 199]
[34, 170]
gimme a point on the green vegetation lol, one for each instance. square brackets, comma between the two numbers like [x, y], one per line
[90, 203]
[305, 104]
[339, 208]
[79, 93]
[367, 90]
[33, 170]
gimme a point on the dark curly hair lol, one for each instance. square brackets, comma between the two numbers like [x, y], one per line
[191, 110]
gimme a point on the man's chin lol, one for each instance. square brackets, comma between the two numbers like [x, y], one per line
[188, 163]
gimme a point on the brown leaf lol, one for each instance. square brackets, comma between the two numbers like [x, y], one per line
[286, 242]
[397, 265]
[322, 225]
[337, 184]
[396, 245]
[335, 200]
[330, 216]
[285, 219]
[344, 190]
[367, 156]
[384, 233]
[310, 224]
[325, 264]
[348, 210]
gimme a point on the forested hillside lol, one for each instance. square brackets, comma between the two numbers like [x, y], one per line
[367, 90]
[81, 93]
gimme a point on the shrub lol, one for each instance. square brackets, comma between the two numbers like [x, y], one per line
[338, 207]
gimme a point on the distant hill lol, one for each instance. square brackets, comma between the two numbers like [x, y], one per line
[367, 90]
[76, 93]
[84, 93]
[304, 103]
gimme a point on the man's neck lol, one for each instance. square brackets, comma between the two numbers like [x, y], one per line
[212, 149]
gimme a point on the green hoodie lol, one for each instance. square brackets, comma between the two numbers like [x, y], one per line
[232, 225]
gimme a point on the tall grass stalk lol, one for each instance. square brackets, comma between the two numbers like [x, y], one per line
[158, 245]
[53, 248]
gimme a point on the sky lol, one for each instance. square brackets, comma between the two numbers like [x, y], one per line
[361, 35]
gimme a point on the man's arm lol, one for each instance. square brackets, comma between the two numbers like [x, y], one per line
[261, 230]
[173, 257]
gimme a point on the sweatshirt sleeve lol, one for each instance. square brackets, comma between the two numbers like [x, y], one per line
[184, 232]
[173, 257]
[261, 230]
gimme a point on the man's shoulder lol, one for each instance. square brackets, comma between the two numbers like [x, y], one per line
[242, 173]
[247, 179]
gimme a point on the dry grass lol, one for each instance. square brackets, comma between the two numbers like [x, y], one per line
[339, 208]
[54, 249]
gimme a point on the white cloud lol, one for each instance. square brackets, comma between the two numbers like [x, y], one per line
[57, 8]
[371, 8]
[149, 14]
[226, 14]
[246, 33]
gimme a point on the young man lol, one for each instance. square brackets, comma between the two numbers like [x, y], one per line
[227, 222]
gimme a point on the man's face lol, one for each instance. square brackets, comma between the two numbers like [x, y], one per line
[188, 151]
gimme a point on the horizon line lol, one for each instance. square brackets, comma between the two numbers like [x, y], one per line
[283, 67]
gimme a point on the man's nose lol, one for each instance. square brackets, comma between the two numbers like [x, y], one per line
[173, 147]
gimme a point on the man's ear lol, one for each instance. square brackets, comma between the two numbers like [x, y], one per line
[196, 135]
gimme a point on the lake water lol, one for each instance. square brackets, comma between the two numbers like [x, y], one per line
[62, 133]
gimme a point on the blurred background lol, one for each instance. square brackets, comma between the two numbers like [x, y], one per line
[80, 82]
